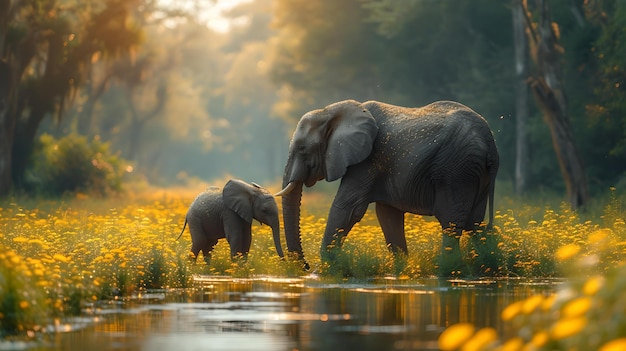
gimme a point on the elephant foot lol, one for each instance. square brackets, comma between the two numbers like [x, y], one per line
[450, 261]
[489, 258]
[400, 261]
[451, 265]
[299, 257]
[239, 259]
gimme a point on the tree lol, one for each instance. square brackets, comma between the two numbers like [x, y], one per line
[607, 112]
[48, 44]
[315, 63]
[407, 53]
[520, 42]
[8, 84]
[547, 88]
[7, 126]
[134, 77]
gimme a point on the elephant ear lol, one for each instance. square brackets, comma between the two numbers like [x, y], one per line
[238, 197]
[352, 134]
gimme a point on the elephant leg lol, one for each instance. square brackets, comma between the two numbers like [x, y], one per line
[246, 242]
[340, 222]
[452, 210]
[392, 223]
[194, 253]
[200, 241]
[477, 215]
[207, 250]
[239, 241]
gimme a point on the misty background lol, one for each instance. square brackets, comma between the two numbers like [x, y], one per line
[186, 95]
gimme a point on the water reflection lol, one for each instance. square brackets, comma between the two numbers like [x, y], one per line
[296, 314]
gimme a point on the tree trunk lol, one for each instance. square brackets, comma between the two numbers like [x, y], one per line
[7, 127]
[42, 98]
[521, 99]
[84, 124]
[547, 89]
[7, 122]
[24, 144]
[138, 121]
[94, 92]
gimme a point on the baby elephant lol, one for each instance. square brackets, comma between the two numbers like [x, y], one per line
[228, 213]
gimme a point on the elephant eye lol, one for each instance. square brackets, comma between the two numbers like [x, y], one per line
[266, 211]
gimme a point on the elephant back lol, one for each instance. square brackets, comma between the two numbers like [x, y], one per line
[209, 202]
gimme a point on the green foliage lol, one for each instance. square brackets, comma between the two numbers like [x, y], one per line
[21, 306]
[154, 276]
[290, 56]
[63, 44]
[420, 51]
[73, 164]
[11, 321]
[485, 256]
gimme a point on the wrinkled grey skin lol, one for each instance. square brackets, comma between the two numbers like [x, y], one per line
[440, 159]
[228, 213]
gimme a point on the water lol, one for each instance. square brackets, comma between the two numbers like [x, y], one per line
[223, 313]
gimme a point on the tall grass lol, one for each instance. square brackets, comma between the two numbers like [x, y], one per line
[56, 257]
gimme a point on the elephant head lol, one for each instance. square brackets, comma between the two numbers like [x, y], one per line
[250, 201]
[325, 143]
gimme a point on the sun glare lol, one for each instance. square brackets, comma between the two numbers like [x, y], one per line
[210, 12]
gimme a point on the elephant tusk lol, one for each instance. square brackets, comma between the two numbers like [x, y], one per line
[289, 188]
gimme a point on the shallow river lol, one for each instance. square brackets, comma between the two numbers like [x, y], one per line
[293, 314]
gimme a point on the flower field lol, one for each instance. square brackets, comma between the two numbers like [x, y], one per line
[58, 256]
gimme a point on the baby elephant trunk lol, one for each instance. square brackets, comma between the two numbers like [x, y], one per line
[276, 234]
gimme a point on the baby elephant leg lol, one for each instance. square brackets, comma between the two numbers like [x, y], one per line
[200, 241]
[240, 243]
[208, 250]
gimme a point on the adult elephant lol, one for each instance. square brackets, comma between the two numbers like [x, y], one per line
[440, 159]
[228, 213]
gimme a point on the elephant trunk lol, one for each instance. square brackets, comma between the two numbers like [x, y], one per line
[291, 218]
[276, 234]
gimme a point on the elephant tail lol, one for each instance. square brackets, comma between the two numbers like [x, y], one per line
[492, 190]
[182, 231]
[493, 165]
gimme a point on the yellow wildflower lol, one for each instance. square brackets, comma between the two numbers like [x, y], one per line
[566, 252]
[599, 235]
[455, 336]
[61, 258]
[481, 339]
[531, 303]
[614, 345]
[565, 328]
[511, 310]
[576, 307]
[593, 285]
[15, 259]
[513, 344]
[540, 339]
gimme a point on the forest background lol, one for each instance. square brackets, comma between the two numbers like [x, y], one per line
[159, 94]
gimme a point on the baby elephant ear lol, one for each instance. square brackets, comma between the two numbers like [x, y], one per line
[352, 134]
[238, 196]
